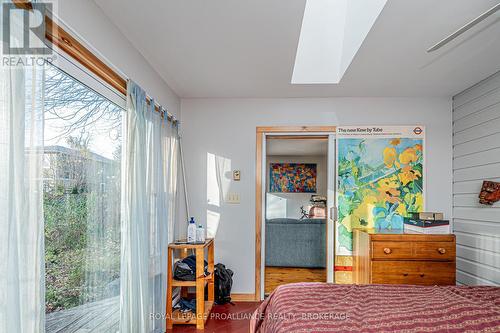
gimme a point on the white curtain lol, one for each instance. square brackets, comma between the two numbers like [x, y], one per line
[170, 140]
[168, 179]
[22, 291]
[148, 209]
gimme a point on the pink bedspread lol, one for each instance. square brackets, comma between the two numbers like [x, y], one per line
[323, 307]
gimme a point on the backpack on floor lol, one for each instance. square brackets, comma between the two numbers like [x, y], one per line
[223, 284]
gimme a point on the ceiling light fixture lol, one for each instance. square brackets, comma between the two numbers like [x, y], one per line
[466, 27]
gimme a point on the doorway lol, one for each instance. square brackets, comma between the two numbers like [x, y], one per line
[295, 172]
[295, 210]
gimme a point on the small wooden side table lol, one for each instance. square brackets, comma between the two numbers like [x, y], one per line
[203, 306]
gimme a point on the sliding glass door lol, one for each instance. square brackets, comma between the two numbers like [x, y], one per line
[81, 182]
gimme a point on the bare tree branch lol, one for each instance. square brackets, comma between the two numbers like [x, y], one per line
[77, 105]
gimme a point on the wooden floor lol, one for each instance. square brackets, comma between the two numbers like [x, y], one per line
[102, 316]
[276, 276]
[224, 318]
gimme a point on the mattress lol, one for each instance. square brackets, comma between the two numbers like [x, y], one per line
[324, 307]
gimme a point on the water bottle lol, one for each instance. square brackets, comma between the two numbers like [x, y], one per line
[191, 232]
[200, 234]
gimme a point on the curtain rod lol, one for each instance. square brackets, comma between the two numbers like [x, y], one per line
[59, 37]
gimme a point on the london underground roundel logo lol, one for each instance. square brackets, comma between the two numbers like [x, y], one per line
[417, 130]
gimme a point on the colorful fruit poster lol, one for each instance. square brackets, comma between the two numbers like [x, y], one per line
[380, 178]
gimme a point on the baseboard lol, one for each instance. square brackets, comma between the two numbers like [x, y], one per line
[238, 297]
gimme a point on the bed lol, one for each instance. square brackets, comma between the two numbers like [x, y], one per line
[324, 307]
[296, 243]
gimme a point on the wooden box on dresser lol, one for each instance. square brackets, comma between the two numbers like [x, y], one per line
[399, 257]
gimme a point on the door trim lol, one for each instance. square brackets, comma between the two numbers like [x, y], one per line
[260, 132]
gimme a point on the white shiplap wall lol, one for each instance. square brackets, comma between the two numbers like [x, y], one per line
[476, 157]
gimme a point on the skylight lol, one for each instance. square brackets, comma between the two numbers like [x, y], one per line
[331, 35]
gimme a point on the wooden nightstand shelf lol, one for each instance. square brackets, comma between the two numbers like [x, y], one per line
[203, 306]
[399, 257]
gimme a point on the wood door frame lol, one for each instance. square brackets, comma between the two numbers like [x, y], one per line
[260, 132]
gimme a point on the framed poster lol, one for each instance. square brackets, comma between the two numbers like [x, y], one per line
[380, 178]
[292, 177]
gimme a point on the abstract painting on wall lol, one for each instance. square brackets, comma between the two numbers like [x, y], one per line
[292, 177]
[380, 179]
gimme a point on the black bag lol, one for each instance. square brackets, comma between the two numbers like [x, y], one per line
[223, 284]
[185, 269]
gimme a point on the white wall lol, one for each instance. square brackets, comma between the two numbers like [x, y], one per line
[89, 23]
[476, 157]
[226, 127]
[288, 204]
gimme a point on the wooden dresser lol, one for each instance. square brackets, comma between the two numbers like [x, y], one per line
[399, 257]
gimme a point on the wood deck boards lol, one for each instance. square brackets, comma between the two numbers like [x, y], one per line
[101, 316]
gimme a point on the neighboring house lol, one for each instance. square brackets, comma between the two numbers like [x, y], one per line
[77, 170]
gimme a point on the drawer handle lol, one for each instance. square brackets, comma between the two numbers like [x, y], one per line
[441, 250]
[405, 274]
[387, 250]
[422, 274]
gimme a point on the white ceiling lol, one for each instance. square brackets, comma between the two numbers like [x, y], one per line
[297, 147]
[242, 48]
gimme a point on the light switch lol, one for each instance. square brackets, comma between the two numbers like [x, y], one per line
[233, 198]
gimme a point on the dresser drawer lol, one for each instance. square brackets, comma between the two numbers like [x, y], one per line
[413, 250]
[413, 272]
[391, 250]
[434, 250]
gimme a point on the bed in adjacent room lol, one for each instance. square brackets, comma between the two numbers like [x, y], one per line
[296, 243]
[295, 251]
[324, 307]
